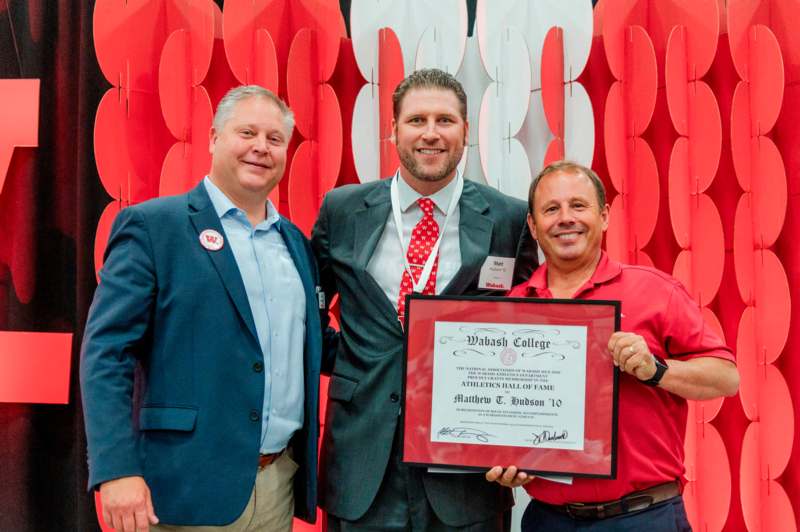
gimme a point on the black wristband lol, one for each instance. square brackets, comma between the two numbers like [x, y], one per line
[661, 368]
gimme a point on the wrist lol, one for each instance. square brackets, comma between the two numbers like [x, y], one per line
[661, 368]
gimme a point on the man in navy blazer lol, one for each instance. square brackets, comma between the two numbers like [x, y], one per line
[201, 356]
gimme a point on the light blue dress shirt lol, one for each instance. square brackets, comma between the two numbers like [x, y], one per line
[278, 304]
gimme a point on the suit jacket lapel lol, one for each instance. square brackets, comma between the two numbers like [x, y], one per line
[475, 238]
[203, 216]
[369, 224]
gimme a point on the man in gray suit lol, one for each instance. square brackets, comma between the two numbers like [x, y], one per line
[426, 230]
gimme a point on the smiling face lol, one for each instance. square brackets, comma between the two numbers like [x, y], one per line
[248, 153]
[568, 222]
[430, 135]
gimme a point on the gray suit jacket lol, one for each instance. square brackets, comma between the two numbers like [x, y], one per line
[366, 380]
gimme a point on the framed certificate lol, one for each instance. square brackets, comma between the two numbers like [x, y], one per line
[510, 381]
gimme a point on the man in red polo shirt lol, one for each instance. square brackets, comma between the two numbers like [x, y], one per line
[665, 350]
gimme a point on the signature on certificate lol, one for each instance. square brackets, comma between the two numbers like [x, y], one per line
[466, 433]
[547, 435]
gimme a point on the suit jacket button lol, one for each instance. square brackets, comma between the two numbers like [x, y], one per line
[258, 367]
[255, 415]
[394, 397]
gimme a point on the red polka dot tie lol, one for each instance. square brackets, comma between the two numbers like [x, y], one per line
[423, 238]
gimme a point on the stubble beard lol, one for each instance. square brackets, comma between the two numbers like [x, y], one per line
[409, 162]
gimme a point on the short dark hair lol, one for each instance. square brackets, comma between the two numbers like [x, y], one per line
[569, 167]
[429, 78]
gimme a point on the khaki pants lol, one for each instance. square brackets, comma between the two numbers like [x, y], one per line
[271, 505]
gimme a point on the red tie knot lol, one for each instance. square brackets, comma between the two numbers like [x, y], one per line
[426, 204]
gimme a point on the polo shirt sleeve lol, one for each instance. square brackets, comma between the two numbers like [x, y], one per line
[686, 334]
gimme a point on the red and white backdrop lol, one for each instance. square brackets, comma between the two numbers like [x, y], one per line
[689, 111]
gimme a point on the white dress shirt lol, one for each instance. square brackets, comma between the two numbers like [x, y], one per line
[386, 264]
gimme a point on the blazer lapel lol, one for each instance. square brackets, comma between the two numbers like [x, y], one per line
[203, 216]
[369, 224]
[300, 259]
[475, 238]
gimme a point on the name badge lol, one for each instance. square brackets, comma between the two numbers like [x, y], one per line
[496, 273]
[320, 298]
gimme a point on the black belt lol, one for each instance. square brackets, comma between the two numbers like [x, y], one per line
[633, 502]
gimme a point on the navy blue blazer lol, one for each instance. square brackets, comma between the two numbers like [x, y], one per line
[177, 316]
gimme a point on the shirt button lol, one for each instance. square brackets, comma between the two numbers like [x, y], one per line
[254, 415]
[394, 397]
[258, 367]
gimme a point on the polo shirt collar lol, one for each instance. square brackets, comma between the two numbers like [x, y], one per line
[408, 196]
[606, 270]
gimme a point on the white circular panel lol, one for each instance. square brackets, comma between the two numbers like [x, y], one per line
[445, 20]
[578, 124]
[534, 20]
[365, 133]
[535, 135]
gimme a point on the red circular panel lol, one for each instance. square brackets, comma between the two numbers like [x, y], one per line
[110, 148]
[740, 134]
[302, 80]
[175, 84]
[240, 20]
[128, 36]
[769, 192]
[772, 305]
[102, 233]
[766, 78]
[325, 18]
[552, 76]
[705, 135]
[390, 74]
[197, 18]
[765, 505]
[145, 132]
[619, 242]
[618, 15]
[708, 249]
[676, 77]
[330, 137]
[708, 498]
[741, 15]
[176, 172]
[177, 175]
[305, 196]
[264, 66]
[555, 151]
[643, 192]
[744, 249]
[777, 422]
[281, 19]
[747, 363]
[680, 192]
[641, 80]
[614, 136]
[751, 478]
[187, 162]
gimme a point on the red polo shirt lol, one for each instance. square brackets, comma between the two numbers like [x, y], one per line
[652, 422]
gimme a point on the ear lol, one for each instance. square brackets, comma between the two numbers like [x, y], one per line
[466, 132]
[212, 138]
[605, 216]
[393, 138]
[531, 225]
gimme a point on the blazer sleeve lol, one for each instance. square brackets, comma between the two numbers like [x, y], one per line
[118, 322]
[320, 244]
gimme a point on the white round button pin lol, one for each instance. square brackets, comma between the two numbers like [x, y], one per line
[211, 240]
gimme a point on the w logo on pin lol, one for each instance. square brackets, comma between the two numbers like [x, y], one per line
[211, 240]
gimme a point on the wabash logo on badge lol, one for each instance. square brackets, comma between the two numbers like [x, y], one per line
[211, 240]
